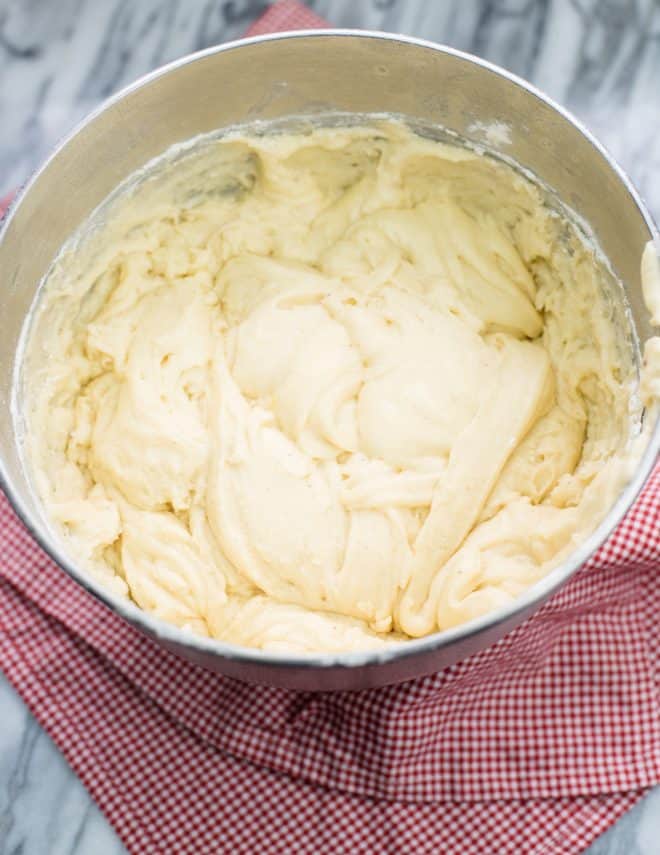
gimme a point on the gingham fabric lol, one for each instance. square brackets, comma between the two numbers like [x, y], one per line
[533, 746]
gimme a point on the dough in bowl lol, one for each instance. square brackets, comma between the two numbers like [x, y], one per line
[329, 390]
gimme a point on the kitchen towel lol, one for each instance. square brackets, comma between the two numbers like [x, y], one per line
[534, 745]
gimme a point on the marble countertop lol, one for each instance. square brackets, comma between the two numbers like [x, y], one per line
[600, 58]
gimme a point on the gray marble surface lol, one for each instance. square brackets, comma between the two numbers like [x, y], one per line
[59, 58]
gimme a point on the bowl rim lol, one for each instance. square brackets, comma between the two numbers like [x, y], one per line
[535, 595]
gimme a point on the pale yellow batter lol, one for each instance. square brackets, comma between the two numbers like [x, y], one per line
[324, 391]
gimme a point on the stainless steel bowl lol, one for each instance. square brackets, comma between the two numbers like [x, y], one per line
[308, 73]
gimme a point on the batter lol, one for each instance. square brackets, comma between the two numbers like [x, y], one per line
[328, 391]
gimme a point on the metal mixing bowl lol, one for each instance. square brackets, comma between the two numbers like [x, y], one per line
[308, 73]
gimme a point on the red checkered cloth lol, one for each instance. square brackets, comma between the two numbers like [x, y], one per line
[535, 745]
